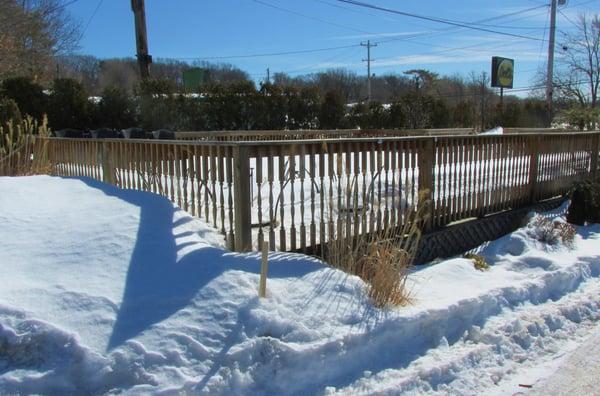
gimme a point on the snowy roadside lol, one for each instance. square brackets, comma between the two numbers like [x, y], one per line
[579, 373]
[108, 290]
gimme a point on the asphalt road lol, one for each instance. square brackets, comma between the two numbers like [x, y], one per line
[580, 373]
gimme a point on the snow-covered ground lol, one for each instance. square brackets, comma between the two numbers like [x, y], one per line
[107, 290]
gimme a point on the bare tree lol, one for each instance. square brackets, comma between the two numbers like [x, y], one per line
[32, 33]
[578, 77]
[85, 68]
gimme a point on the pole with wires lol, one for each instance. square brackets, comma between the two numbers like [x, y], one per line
[141, 38]
[550, 71]
[368, 60]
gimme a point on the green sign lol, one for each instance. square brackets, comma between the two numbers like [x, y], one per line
[193, 78]
[502, 72]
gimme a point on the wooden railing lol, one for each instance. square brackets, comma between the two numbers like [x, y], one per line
[299, 195]
[249, 136]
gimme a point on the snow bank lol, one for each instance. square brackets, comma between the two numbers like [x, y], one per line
[109, 290]
[493, 131]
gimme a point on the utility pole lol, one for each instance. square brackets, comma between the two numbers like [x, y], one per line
[268, 76]
[550, 71]
[141, 38]
[368, 60]
[483, 102]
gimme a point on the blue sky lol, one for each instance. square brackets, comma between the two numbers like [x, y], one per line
[234, 31]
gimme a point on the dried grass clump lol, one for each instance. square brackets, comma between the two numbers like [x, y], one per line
[382, 258]
[21, 152]
[552, 232]
[478, 261]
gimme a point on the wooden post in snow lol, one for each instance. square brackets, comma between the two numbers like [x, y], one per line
[241, 199]
[264, 268]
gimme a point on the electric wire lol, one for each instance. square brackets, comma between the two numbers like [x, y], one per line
[437, 20]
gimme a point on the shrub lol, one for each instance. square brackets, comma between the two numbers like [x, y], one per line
[156, 104]
[68, 105]
[28, 95]
[333, 111]
[585, 203]
[551, 232]
[270, 108]
[582, 117]
[397, 118]
[478, 261]
[303, 107]
[115, 109]
[9, 111]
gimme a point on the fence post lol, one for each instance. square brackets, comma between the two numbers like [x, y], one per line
[108, 170]
[594, 155]
[426, 163]
[241, 199]
[534, 152]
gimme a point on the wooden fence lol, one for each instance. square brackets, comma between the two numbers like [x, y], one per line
[300, 194]
[243, 136]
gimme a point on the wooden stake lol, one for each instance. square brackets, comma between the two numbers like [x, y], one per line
[262, 288]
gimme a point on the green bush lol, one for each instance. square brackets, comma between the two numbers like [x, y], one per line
[303, 107]
[27, 94]
[68, 105]
[582, 117]
[333, 111]
[270, 108]
[585, 203]
[156, 104]
[115, 110]
[9, 111]
[397, 116]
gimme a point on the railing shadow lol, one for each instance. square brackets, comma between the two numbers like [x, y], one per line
[160, 279]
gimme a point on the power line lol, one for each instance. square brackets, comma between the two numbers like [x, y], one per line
[91, 18]
[261, 55]
[568, 19]
[437, 32]
[438, 20]
[404, 38]
[310, 17]
[316, 67]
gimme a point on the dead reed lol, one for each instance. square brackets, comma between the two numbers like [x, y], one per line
[22, 152]
[382, 258]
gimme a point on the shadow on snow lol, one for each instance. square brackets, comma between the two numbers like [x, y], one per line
[157, 283]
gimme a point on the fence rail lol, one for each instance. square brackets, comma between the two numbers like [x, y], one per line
[240, 136]
[300, 194]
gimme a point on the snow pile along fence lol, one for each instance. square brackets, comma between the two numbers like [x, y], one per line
[300, 194]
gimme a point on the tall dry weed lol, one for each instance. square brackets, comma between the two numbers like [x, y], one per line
[22, 152]
[381, 258]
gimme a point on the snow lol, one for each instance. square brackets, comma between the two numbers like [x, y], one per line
[493, 131]
[107, 290]
[580, 373]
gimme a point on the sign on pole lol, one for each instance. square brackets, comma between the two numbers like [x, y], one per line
[502, 72]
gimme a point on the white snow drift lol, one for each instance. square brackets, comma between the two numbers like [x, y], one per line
[108, 290]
